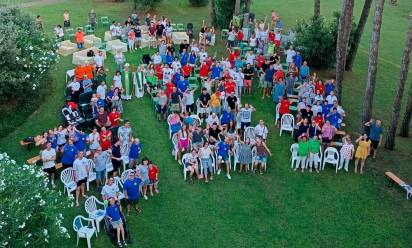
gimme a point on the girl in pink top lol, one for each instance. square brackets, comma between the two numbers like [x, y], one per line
[131, 37]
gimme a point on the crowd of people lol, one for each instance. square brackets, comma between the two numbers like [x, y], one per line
[210, 126]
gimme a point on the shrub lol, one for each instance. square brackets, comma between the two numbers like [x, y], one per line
[26, 54]
[30, 212]
[316, 40]
[147, 4]
[199, 2]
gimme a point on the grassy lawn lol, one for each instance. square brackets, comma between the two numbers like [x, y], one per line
[280, 208]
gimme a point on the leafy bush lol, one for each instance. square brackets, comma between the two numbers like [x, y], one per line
[26, 54]
[30, 212]
[148, 4]
[316, 40]
[199, 2]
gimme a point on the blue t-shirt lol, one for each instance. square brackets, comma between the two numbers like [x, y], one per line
[328, 88]
[239, 63]
[113, 212]
[53, 141]
[135, 150]
[216, 70]
[101, 103]
[81, 140]
[334, 119]
[226, 117]
[298, 60]
[325, 109]
[304, 71]
[176, 79]
[269, 74]
[132, 188]
[183, 58]
[183, 85]
[192, 59]
[375, 132]
[69, 154]
[223, 149]
[169, 59]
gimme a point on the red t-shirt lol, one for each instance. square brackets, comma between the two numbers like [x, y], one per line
[105, 140]
[169, 88]
[112, 117]
[232, 58]
[240, 36]
[318, 120]
[271, 36]
[284, 107]
[320, 86]
[230, 87]
[187, 69]
[153, 172]
[159, 73]
[279, 74]
[204, 70]
[260, 60]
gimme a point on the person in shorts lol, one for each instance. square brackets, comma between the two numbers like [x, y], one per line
[143, 173]
[80, 166]
[131, 188]
[375, 134]
[223, 157]
[113, 214]
[48, 156]
[100, 159]
[153, 178]
[192, 164]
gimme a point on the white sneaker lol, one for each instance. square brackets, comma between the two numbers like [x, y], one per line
[145, 197]
[218, 171]
[228, 176]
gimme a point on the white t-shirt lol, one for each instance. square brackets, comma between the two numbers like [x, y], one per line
[94, 141]
[167, 74]
[330, 99]
[117, 81]
[99, 60]
[290, 53]
[80, 165]
[110, 190]
[176, 65]
[188, 98]
[252, 42]
[205, 153]
[46, 155]
[202, 56]
[210, 120]
[246, 115]
[250, 58]
[261, 131]
[195, 49]
[74, 86]
[157, 59]
[101, 89]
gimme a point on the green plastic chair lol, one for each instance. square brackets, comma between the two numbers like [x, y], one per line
[174, 27]
[89, 29]
[69, 33]
[223, 34]
[104, 20]
[180, 27]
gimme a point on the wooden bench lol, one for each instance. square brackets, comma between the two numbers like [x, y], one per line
[37, 158]
[392, 179]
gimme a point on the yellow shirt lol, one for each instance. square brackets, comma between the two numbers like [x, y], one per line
[214, 101]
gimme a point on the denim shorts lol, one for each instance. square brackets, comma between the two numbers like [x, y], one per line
[261, 159]
[100, 174]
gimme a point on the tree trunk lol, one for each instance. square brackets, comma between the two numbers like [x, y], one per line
[344, 30]
[237, 7]
[248, 4]
[212, 12]
[373, 65]
[358, 35]
[407, 116]
[397, 103]
[316, 9]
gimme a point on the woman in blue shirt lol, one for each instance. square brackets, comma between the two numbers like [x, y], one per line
[69, 154]
[113, 214]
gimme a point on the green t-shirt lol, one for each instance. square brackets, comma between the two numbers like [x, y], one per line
[303, 149]
[314, 145]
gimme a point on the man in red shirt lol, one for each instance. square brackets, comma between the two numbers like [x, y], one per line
[279, 74]
[283, 109]
[232, 57]
[204, 70]
[260, 60]
[187, 70]
[240, 36]
[114, 117]
[319, 119]
[230, 86]
[320, 86]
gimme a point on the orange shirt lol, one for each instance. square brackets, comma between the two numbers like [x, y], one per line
[79, 36]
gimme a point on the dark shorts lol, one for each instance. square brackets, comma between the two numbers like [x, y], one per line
[190, 108]
[116, 164]
[152, 182]
[375, 144]
[67, 165]
[50, 170]
[80, 182]
[244, 125]
[132, 201]
[161, 110]
[326, 140]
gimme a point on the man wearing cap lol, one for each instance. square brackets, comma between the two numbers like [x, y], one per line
[131, 189]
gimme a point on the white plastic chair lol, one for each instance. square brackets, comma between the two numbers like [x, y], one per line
[175, 142]
[197, 107]
[196, 120]
[94, 212]
[277, 113]
[331, 156]
[109, 166]
[287, 123]
[170, 126]
[294, 154]
[84, 231]
[125, 175]
[249, 133]
[119, 184]
[185, 170]
[67, 178]
[92, 175]
[124, 151]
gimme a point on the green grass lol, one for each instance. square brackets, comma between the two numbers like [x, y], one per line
[280, 208]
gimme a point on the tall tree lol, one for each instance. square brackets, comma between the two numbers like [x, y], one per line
[344, 30]
[212, 12]
[316, 9]
[358, 35]
[237, 7]
[248, 4]
[373, 65]
[397, 103]
[406, 122]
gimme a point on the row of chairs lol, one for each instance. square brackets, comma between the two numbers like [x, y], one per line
[329, 156]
